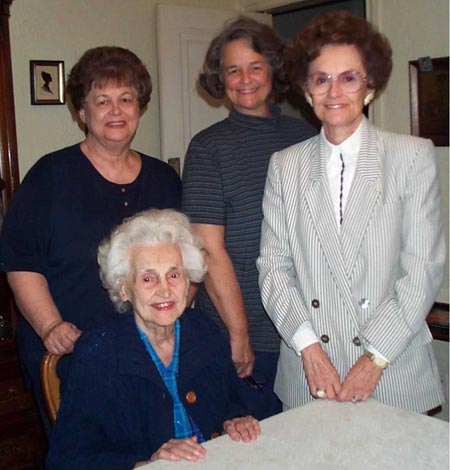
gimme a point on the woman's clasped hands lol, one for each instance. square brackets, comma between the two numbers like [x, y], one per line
[324, 382]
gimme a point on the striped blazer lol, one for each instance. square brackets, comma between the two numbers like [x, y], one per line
[372, 283]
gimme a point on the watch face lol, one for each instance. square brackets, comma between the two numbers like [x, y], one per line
[379, 362]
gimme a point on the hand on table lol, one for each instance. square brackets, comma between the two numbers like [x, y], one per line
[360, 382]
[244, 429]
[180, 449]
[61, 337]
[320, 372]
[243, 356]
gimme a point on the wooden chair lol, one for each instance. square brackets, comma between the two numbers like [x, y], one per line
[50, 384]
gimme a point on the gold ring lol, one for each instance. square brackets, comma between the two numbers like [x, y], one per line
[355, 400]
[320, 393]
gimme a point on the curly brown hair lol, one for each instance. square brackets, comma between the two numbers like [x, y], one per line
[99, 65]
[341, 27]
[261, 38]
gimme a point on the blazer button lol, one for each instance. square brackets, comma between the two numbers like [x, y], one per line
[191, 397]
[315, 303]
[325, 338]
[214, 435]
[356, 341]
[364, 303]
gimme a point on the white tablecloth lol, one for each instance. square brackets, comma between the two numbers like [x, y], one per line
[326, 435]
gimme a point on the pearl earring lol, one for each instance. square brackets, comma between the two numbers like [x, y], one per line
[368, 99]
[308, 99]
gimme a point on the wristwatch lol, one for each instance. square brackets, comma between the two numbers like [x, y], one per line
[377, 361]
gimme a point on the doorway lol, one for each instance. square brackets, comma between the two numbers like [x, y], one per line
[288, 20]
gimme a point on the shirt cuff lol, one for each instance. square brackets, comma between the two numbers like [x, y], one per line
[376, 353]
[304, 337]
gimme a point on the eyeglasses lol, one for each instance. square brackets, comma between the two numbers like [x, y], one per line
[349, 82]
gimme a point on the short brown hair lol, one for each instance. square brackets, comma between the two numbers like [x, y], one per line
[261, 38]
[99, 65]
[340, 27]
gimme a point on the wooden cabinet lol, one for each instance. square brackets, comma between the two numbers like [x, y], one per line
[22, 440]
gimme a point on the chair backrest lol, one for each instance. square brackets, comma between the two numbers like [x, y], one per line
[50, 384]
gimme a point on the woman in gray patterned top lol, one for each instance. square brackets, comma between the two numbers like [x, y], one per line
[352, 248]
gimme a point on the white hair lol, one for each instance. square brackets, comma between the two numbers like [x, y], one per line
[147, 228]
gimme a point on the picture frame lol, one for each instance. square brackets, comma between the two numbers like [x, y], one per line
[429, 99]
[47, 82]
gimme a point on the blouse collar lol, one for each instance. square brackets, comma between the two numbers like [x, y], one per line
[349, 146]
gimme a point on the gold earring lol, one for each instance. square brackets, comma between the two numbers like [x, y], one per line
[308, 99]
[368, 99]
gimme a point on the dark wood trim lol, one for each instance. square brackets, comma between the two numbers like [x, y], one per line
[4, 7]
[9, 168]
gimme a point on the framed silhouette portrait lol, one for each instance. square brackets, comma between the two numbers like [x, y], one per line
[47, 82]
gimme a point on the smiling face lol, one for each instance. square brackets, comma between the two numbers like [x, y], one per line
[339, 112]
[111, 114]
[156, 286]
[247, 78]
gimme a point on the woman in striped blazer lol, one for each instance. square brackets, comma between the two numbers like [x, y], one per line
[352, 248]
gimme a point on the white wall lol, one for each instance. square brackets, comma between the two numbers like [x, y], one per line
[63, 30]
[415, 28]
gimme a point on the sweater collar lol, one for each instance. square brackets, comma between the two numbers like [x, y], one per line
[256, 122]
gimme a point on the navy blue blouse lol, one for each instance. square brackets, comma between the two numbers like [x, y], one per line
[63, 209]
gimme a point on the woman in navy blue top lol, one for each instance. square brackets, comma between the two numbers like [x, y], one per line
[68, 203]
[158, 381]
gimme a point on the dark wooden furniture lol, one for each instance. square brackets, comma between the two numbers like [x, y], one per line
[437, 320]
[22, 441]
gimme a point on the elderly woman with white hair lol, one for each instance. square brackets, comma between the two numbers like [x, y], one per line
[158, 380]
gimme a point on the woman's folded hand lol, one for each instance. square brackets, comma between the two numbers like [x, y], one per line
[244, 429]
[180, 449]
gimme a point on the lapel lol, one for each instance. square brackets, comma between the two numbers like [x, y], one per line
[320, 206]
[321, 211]
[194, 349]
[365, 193]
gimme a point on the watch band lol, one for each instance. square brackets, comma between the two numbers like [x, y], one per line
[376, 360]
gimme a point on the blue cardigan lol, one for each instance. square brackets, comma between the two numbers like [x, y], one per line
[115, 408]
